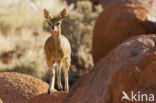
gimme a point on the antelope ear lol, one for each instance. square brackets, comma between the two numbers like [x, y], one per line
[63, 14]
[46, 15]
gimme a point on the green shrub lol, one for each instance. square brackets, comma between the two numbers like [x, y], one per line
[78, 28]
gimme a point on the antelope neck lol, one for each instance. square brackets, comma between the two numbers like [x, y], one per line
[56, 36]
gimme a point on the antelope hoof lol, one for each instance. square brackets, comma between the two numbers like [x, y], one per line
[60, 89]
[48, 91]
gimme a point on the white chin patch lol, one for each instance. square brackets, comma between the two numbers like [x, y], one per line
[55, 29]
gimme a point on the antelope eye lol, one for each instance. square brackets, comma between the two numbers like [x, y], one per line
[57, 24]
[49, 23]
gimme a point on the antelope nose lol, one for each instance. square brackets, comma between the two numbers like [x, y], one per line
[53, 27]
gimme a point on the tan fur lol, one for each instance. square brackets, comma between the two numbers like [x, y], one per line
[57, 50]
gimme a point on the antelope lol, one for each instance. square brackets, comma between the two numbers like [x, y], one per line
[58, 51]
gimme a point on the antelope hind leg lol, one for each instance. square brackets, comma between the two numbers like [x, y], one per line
[66, 68]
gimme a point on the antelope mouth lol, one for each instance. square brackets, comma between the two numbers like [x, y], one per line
[55, 32]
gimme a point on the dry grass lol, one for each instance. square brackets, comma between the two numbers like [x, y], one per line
[15, 14]
[27, 55]
[21, 35]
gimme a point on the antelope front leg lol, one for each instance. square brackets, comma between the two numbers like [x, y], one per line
[52, 79]
[59, 76]
[66, 68]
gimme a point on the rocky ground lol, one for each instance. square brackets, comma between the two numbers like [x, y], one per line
[19, 88]
[129, 67]
[56, 97]
[124, 52]
[125, 68]
[120, 20]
